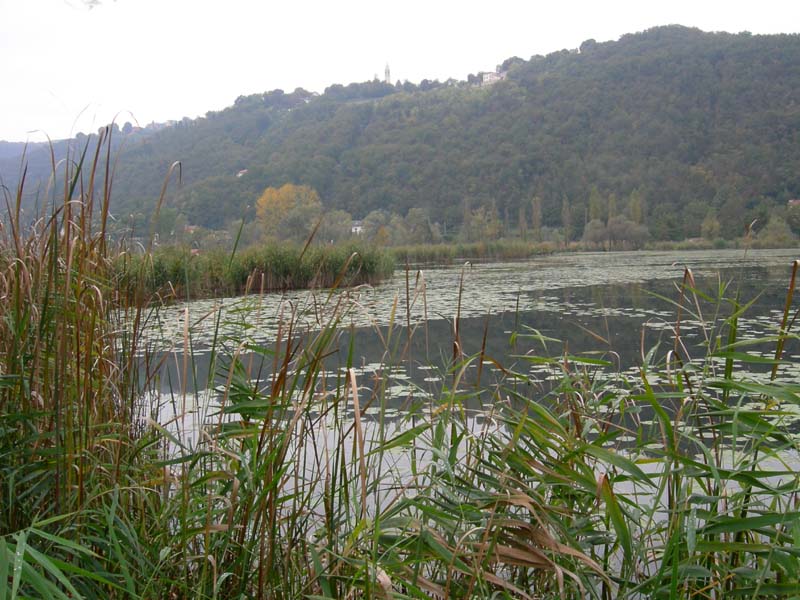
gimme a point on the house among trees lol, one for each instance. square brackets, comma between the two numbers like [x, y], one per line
[491, 77]
[357, 227]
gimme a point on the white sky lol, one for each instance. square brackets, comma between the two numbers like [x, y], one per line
[65, 68]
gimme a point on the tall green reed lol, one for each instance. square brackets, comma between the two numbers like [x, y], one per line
[180, 271]
[64, 406]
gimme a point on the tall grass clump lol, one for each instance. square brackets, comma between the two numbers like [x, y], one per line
[505, 249]
[69, 401]
[269, 268]
[60, 361]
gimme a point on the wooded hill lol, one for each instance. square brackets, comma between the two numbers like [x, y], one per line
[689, 123]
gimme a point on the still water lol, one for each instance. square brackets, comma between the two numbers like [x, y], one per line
[405, 333]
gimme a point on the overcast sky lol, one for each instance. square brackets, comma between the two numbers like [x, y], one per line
[66, 68]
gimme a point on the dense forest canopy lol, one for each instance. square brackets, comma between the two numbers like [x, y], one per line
[672, 130]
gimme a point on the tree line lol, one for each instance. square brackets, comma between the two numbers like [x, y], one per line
[671, 133]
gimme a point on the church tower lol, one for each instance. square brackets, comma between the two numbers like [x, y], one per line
[387, 77]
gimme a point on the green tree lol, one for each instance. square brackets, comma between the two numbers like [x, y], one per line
[624, 233]
[595, 232]
[522, 222]
[566, 220]
[165, 227]
[733, 216]
[398, 232]
[336, 225]
[376, 224]
[691, 216]
[536, 218]
[710, 228]
[597, 209]
[636, 206]
[612, 206]
[793, 216]
[419, 228]
[776, 234]
[482, 225]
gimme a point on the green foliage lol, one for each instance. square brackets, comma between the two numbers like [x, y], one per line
[183, 273]
[597, 208]
[536, 218]
[710, 227]
[566, 219]
[595, 232]
[793, 217]
[288, 213]
[664, 118]
[481, 224]
[624, 233]
[506, 249]
[335, 227]
[420, 229]
[619, 233]
[636, 207]
[776, 234]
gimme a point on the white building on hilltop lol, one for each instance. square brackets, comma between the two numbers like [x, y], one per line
[491, 77]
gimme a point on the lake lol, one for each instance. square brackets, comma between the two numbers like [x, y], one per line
[618, 307]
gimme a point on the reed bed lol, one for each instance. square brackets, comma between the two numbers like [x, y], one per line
[294, 479]
[216, 273]
[506, 249]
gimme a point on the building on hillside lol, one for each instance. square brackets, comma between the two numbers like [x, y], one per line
[491, 77]
[241, 173]
[357, 227]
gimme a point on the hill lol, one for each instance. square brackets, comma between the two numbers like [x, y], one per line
[674, 123]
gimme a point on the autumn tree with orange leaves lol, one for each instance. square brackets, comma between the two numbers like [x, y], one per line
[288, 213]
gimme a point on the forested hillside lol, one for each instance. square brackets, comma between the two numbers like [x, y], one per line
[672, 127]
